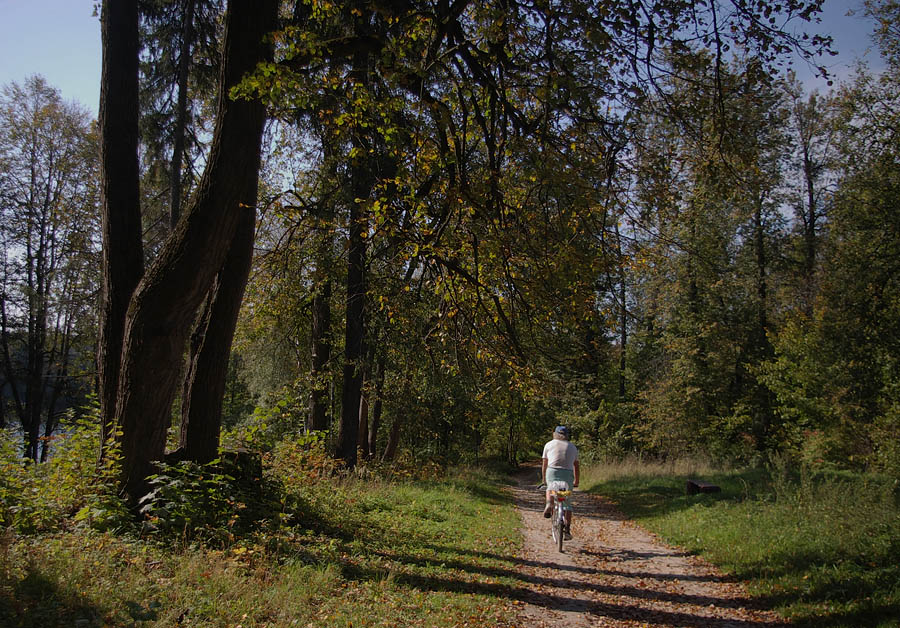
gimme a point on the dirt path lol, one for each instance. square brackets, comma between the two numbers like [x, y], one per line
[615, 573]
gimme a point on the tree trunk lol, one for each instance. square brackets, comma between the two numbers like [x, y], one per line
[7, 361]
[123, 258]
[321, 339]
[362, 434]
[204, 386]
[164, 305]
[184, 64]
[354, 332]
[361, 188]
[762, 349]
[390, 450]
[809, 233]
[376, 408]
[623, 317]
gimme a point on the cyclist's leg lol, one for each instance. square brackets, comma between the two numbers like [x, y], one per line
[567, 476]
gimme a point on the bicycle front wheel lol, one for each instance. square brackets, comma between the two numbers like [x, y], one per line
[559, 529]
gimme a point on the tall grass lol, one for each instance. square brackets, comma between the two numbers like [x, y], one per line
[821, 549]
[336, 551]
[636, 467]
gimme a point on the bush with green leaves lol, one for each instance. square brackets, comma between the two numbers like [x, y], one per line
[190, 500]
[38, 497]
[268, 424]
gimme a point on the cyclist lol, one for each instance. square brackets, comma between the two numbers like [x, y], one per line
[560, 462]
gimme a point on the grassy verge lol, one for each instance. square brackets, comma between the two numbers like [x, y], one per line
[820, 549]
[361, 553]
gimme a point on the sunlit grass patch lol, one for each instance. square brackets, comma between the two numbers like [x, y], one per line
[822, 550]
[351, 552]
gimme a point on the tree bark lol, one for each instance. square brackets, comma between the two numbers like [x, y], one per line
[763, 348]
[362, 434]
[184, 64]
[123, 258]
[164, 304]
[393, 443]
[376, 408]
[321, 338]
[204, 386]
[361, 188]
[623, 317]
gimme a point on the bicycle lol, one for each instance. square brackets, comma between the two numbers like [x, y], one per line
[561, 505]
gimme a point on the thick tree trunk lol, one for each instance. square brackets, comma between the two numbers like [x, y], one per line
[164, 305]
[123, 258]
[204, 387]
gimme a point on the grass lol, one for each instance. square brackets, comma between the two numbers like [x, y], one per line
[822, 550]
[358, 553]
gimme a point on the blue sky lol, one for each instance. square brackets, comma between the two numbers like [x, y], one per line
[60, 40]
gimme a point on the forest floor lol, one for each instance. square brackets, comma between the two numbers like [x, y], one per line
[615, 573]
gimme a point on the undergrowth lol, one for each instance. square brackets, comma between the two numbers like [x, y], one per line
[819, 548]
[281, 538]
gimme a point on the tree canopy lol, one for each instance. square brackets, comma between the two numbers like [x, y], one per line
[461, 223]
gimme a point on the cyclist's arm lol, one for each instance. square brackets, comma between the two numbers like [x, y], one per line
[543, 470]
[577, 472]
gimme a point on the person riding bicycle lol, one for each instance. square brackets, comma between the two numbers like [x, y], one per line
[560, 462]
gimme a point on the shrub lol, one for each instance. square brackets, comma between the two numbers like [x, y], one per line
[39, 497]
[191, 500]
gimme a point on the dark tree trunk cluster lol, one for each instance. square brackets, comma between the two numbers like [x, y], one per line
[205, 259]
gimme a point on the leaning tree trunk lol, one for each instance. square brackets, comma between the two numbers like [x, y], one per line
[204, 386]
[164, 305]
[123, 258]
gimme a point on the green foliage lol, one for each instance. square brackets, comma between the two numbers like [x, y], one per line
[608, 433]
[268, 424]
[48, 264]
[14, 479]
[104, 510]
[213, 503]
[302, 460]
[41, 497]
[189, 500]
[441, 553]
[819, 547]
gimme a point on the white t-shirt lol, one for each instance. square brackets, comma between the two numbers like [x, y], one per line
[560, 454]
